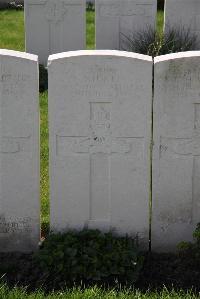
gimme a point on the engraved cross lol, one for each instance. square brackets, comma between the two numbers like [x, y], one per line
[14, 145]
[186, 147]
[54, 12]
[100, 145]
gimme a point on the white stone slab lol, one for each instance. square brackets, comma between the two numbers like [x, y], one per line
[19, 152]
[183, 13]
[176, 154]
[100, 127]
[54, 26]
[118, 19]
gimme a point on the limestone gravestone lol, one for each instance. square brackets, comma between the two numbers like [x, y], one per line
[100, 127]
[19, 152]
[176, 154]
[117, 20]
[54, 26]
[183, 13]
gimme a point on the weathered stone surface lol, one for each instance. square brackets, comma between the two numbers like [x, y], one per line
[100, 127]
[54, 26]
[118, 20]
[19, 152]
[176, 161]
[183, 13]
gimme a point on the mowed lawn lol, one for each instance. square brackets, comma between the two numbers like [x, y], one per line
[94, 293]
[12, 37]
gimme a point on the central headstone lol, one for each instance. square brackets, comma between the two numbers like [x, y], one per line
[118, 21]
[54, 26]
[100, 127]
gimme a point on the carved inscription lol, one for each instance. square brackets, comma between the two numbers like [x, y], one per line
[13, 145]
[15, 225]
[66, 145]
[100, 127]
[13, 83]
[177, 74]
[183, 146]
[180, 146]
[18, 78]
[109, 10]
[117, 10]
[55, 10]
[100, 76]
[100, 139]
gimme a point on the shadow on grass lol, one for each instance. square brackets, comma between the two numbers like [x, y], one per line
[159, 270]
[43, 78]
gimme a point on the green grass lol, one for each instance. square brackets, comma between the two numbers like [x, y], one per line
[160, 21]
[12, 37]
[12, 30]
[90, 36]
[94, 293]
[44, 158]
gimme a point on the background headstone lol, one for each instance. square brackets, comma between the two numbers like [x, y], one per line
[54, 26]
[118, 20]
[183, 14]
[19, 152]
[176, 154]
[100, 128]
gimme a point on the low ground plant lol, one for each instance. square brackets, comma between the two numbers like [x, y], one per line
[88, 257]
[150, 42]
[190, 252]
[90, 6]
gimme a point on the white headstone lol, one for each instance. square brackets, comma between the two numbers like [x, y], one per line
[19, 152]
[183, 13]
[54, 26]
[100, 127]
[117, 20]
[176, 154]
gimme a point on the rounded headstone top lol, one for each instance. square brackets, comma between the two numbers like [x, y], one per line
[114, 53]
[23, 55]
[179, 55]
